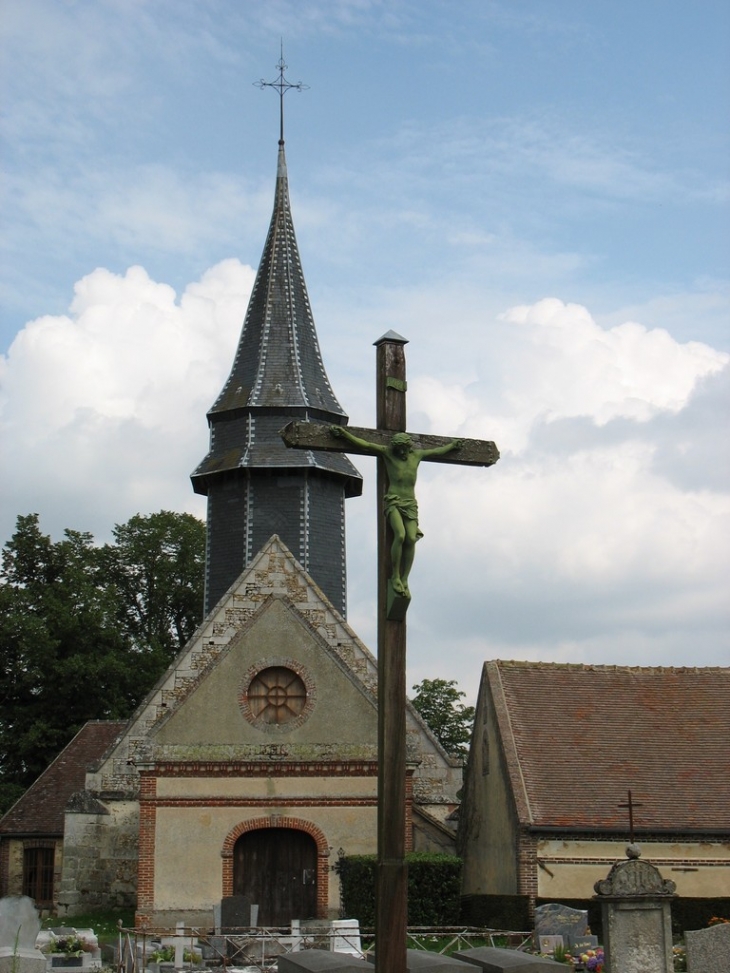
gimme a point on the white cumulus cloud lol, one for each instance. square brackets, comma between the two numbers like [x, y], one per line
[103, 408]
[601, 535]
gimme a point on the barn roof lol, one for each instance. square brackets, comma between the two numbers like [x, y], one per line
[577, 737]
[40, 810]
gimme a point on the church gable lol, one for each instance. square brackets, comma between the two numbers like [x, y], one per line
[274, 616]
[273, 575]
[278, 681]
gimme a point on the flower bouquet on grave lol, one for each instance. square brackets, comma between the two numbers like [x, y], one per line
[679, 959]
[592, 960]
[68, 945]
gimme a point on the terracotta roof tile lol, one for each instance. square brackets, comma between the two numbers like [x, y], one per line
[40, 809]
[578, 737]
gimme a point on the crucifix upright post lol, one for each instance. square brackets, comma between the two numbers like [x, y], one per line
[398, 460]
[391, 903]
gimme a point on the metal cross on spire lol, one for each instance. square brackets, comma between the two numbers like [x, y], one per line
[282, 86]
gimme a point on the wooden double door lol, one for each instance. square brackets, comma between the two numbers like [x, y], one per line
[276, 869]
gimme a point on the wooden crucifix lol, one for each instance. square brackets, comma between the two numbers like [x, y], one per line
[399, 455]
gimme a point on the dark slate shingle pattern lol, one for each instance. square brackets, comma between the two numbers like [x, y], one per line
[578, 737]
[277, 373]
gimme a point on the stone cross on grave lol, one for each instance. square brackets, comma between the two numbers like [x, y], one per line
[399, 455]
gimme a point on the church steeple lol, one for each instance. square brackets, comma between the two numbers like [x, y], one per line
[255, 486]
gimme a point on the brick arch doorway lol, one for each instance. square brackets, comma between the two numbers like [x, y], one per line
[276, 869]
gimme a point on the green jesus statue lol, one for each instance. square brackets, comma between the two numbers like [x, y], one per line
[401, 508]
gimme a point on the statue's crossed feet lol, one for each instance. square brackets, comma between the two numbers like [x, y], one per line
[400, 588]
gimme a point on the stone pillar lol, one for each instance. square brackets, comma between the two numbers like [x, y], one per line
[637, 917]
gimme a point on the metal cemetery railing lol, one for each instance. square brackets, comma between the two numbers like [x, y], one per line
[256, 949]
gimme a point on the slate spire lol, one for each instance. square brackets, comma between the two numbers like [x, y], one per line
[255, 486]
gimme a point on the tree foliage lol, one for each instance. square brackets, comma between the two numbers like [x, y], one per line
[86, 630]
[438, 702]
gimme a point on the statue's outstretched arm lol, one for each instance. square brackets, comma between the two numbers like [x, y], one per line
[442, 450]
[342, 432]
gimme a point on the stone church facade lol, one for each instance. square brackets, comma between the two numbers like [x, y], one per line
[253, 764]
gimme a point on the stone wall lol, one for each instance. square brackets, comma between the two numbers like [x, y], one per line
[100, 858]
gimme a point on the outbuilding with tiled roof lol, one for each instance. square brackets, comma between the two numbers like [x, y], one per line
[31, 832]
[556, 750]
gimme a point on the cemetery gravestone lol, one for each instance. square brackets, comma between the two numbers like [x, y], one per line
[555, 919]
[19, 927]
[548, 944]
[346, 937]
[708, 950]
[235, 912]
[581, 944]
[637, 917]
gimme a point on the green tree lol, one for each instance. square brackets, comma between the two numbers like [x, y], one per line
[157, 564]
[438, 702]
[85, 631]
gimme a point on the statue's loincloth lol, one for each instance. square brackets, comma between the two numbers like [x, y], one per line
[408, 509]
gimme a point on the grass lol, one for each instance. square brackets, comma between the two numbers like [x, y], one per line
[104, 924]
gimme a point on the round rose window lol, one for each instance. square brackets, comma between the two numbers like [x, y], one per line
[276, 695]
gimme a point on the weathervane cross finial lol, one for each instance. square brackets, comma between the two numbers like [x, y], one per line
[282, 85]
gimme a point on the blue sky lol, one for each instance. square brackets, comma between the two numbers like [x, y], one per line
[535, 194]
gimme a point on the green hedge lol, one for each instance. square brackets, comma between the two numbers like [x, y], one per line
[512, 912]
[434, 885]
[691, 913]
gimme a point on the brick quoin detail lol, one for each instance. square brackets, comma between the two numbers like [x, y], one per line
[281, 821]
[146, 863]
[527, 863]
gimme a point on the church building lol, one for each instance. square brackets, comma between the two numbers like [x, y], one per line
[252, 765]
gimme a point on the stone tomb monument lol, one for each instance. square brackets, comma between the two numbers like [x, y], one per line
[19, 927]
[492, 959]
[419, 959]
[637, 916]
[708, 950]
[320, 961]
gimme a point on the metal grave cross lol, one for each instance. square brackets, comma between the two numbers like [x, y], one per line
[630, 805]
[398, 457]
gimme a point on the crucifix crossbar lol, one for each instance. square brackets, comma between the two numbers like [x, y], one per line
[399, 455]
[318, 435]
